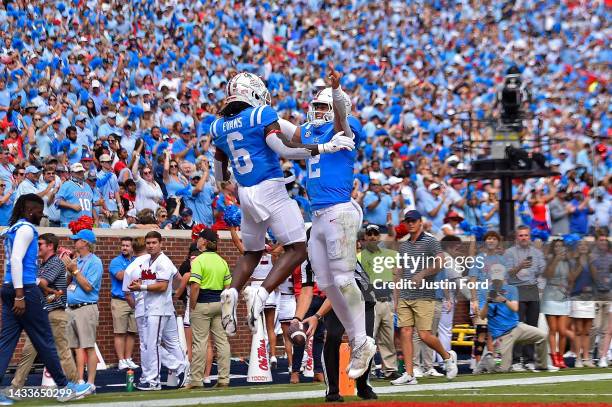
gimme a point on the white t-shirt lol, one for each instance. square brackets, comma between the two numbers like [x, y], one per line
[147, 195]
[133, 272]
[159, 303]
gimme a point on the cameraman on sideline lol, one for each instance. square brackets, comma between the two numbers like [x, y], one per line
[500, 306]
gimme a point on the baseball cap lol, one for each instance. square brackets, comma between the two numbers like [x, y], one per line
[498, 272]
[86, 157]
[95, 83]
[85, 234]
[61, 168]
[413, 215]
[433, 186]
[372, 229]
[196, 174]
[111, 115]
[209, 235]
[80, 117]
[187, 212]
[30, 169]
[387, 164]
[105, 158]
[77, 167]
[133, 93]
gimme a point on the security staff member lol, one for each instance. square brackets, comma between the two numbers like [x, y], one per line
[333, 340]
[210, 274]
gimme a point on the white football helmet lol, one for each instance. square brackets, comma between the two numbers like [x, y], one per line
[248, 88]
[321, 109]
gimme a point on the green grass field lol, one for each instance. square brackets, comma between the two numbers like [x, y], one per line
[555, 393]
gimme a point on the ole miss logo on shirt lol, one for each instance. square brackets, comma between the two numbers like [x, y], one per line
[147, 274]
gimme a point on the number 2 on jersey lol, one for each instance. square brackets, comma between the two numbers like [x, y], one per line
[240, 157]
[314, 170]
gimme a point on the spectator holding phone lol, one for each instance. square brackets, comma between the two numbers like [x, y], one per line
[525, 263]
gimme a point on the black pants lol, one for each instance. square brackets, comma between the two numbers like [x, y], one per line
[529, 313]
[35, 321]
[331, 350]
[317, 341]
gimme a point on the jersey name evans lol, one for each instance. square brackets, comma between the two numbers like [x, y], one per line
[232, 124]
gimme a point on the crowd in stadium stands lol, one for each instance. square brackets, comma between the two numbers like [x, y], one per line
[105, 110]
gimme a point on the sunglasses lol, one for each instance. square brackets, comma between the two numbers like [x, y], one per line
[49, 172]
[21, 174]
[173, 166]
[146, 172]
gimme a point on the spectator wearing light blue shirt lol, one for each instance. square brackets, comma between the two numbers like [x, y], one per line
[186, 148]
[377, 204]
[437, 207]
[84, 284]
[201, 198]
[124, 322]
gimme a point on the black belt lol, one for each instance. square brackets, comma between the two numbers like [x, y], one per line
[287, 294]
[77, 306]
[384, 299]
[114, 297]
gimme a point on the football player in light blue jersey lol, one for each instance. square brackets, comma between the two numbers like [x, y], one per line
[336, 218]
[22, 299]
[247, 135]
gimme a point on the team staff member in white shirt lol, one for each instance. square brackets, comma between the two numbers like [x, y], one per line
[155, 282]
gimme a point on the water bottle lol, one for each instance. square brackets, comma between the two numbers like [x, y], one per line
[129, 385]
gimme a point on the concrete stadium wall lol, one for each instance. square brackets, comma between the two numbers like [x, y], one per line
[175, 245]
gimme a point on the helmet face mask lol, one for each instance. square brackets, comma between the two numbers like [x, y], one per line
[320, 109]
[248, 88]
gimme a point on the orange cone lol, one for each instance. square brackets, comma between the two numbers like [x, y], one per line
[346, 384]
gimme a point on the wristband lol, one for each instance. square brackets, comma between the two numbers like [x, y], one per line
[75, 272]
[299, 319]
[143, 287]
[319, 317]
[19, 298]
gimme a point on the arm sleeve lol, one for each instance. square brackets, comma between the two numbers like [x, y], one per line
[287, 128]
[340, 112]
[23, 238]
[219, 170]
[277, 145]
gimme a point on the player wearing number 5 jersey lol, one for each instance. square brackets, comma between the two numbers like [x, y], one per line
[247, 136]
[75, 198]
[336, 218]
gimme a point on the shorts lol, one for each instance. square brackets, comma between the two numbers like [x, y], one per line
[273, 298]
[82, 326]
[268, 205]
[286, 307]
[419, 313]
[582, 309]
[123, 317]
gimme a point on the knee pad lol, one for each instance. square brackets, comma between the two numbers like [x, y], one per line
[349, 289]
[479, 348]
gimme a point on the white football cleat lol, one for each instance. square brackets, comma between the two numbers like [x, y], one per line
[229, 300]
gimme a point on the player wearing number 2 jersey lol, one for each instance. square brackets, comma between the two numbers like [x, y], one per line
[336, 218]
[75, 198]
[247, 135]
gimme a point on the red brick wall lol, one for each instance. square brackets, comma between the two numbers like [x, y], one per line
[175, 246]
[107, 248]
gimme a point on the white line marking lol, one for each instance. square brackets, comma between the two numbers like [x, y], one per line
[200, 397]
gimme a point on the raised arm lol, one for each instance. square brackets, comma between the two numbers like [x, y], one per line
[340, 103]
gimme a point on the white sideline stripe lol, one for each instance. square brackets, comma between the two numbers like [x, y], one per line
[295, 395]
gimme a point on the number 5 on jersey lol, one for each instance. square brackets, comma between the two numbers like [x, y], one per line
[240, 157]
